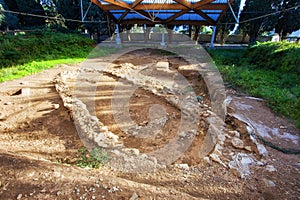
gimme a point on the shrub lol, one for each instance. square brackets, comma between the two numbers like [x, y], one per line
[44, 46]
[279, 56]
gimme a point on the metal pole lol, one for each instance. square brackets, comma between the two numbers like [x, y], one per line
[213, 37]
[81, 10]
[118, 39]
[163, 37]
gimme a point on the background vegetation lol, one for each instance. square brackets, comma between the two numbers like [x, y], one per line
[20, 56]
[267, 70]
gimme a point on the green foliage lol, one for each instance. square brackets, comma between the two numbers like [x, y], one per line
[20, 56]
[287, 22]
[7, 20]
[279, 56]
[228, 56]
[92, 159]
[43, 46]
[275, 79]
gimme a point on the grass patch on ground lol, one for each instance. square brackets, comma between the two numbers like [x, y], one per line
[21, 56]
[262, 72]
[92, 159]
[33, 67]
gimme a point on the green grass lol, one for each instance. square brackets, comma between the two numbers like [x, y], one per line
[33, 67]
[254, 72]
[92, 159]
[20, 56]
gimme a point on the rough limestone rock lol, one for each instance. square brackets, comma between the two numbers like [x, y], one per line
[162, 65]
[237, 143]
[240, 163]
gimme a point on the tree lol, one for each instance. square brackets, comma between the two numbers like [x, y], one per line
[227, 22]
[253, 9]
[27, 6]
[69, 9]
[51, 11]
[288, 21]
[7, 20]
[93, 14]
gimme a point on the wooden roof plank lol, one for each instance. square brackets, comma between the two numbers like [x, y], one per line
[178, 14]
[166, 7]
[180, 8]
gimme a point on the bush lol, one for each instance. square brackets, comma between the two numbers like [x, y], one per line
[43, 46]
[278, 56]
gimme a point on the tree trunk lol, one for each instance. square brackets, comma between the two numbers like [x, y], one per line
[197, 30]
[190, 31]
[252, 39]
[244, 37]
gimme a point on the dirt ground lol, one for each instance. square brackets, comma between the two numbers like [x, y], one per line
[39, 147]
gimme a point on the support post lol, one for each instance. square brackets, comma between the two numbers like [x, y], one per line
[163, 44]
[81, 10]
[118, 39]
[213, 37]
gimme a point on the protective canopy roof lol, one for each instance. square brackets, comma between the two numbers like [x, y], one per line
[173, 12]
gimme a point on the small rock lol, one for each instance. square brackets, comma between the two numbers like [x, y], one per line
[216, 158]
[104, 129]
[58, 193]
[270, 168]
[182, 134]
[235, 133]
[207, 160]
[221, 138]
[25, 92]
[269, 183]
[134, 196]
[19, 196]
[2, 116]
[24, 83]
[248, 148]
[55, 106]
[7, 103]
[206, 115]
[162, 65]
[199, 98]
[240, 163]
[237, 143]
[183, 166]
